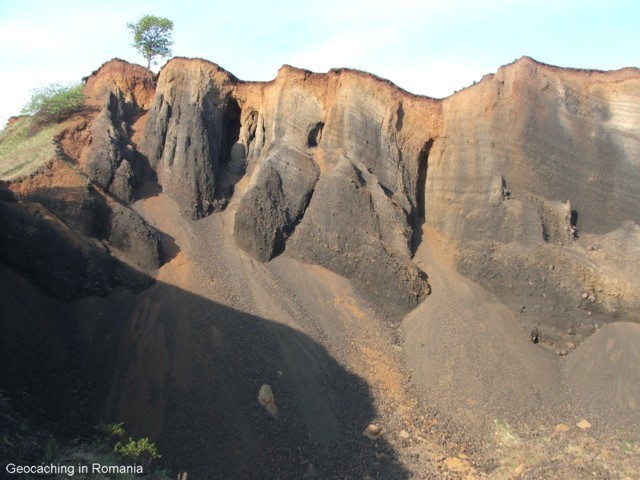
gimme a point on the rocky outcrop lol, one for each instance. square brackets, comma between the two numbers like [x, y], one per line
[134, 84]
[89, 213]
[121, 92]
[273, 206]
[123, 182]
[63, 263]
[529, 160]
[82, 209]
[188, 132]
[207, 130]
[352, 228]
[358, 131]
[130, 234]
[341, 170]
[104, 154]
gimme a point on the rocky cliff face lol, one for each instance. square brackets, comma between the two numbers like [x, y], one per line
[342, 169]
[530, 174]
[328, 168]
[534, 165]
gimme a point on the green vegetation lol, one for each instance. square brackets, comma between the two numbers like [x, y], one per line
[22, 443]
[54, 103]
[152, 37]
[138, 450]
[504, 436]
[141, 451]
[22, 151]
[28, 142]
[112, 430]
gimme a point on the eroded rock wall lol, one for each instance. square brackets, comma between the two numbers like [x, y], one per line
[533, 162]
[120, 93]
[558, 134]
[521, 172]
[268, 147]
[183, 137]
[358, 150]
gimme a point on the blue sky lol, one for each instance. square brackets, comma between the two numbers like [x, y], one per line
[427, 47]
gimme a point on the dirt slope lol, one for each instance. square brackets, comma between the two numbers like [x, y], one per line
[193, 337]
[604, 377]
[470, 356]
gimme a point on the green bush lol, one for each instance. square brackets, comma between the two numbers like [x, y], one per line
[110, 430]
[141, 451]
[54, 103]
[137, 450]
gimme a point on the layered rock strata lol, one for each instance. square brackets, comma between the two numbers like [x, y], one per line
[524, 173]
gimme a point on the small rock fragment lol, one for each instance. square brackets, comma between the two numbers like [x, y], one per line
[561, 428]
[372, 431]
[267, 400]
[534, 335]
[310, 473]
[456, 464]
[584, 425]
[382, 456]
[404, 434]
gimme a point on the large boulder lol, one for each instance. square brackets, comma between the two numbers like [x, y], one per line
[353, 229]
[275, 203]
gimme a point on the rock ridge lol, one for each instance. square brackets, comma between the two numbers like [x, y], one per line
[510, 165]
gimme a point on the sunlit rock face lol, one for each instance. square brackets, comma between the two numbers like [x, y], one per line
[346, 149]
[529, 160]
[342, 170]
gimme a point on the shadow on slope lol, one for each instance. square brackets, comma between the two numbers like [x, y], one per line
[186, 372]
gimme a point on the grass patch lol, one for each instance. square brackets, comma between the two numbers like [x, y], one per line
[504, 436]
[23, 150]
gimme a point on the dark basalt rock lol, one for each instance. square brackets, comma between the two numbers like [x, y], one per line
[351, 227]
[90, 214]
[269, 211]
[104, 154]
[63, 263]
[81, 209]
[185, 136]
[134, 237]
[123, 182]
